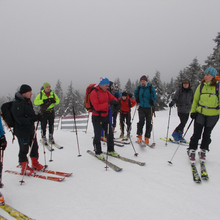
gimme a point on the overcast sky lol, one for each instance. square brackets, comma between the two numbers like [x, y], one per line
[82, 40]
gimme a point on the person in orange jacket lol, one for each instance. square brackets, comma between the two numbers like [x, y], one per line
[126, 103]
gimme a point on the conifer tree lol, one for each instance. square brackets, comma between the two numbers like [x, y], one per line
[59, 109]
[128, 87]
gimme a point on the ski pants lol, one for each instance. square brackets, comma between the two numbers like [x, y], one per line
[144, 114]
[114, 117]
[100, 123]
[47, 117]
[183, 120]
[127, 118]
[25, 142]
[203, 124]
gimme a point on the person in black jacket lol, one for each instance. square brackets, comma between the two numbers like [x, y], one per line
[24, 115]
[183, 99]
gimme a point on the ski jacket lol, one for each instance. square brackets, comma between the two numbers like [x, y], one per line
[144, 94]
[2, 132]
[206, 102]
[100, 101]
[39, 100]
[183, 99]
[24, 115]
[126, 105]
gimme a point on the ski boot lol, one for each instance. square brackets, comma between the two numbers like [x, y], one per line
[139, 140]
[2, 200]
[26, 170]
[51, 139]
[36, 165]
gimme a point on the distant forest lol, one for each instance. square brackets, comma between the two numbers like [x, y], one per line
[194, 73]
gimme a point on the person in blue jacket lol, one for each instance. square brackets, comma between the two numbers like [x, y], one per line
[145, 96]
[3, 142]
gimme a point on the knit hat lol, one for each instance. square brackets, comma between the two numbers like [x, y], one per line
[211, 71]
[143, 78]
[104, 81]
[25, 88]
[124, 94]
[46, 84]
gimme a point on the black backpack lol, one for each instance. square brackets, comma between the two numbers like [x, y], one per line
[7, 115]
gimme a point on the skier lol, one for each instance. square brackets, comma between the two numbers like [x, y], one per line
[3, 145]
[183, 99]
[101, 99]
[205, 111]
[126, 103]
[115, 92]
[24, 115]
[47, 99]
[145, 96]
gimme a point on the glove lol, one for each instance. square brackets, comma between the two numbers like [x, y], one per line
[151, 102]
[193, 115]
[46, 101]
[171, 104]
[114, 102]
[39, 116]
[3, 143]
[52, 100]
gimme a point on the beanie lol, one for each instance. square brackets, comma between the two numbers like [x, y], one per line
[124, 94]
[211, 71]
[46, 84]
[25, 88]
[143, 78]
[104, 81]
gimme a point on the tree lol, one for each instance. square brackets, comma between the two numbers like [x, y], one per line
[128, 87]
[161, 98]
[59, 109]
[214, 59]
[117, 81]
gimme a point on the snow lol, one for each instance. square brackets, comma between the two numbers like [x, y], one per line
[155, 191]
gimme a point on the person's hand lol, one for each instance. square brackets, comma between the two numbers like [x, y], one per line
[171, 104]
[46, 101]
[3, 143]
[193, 115]
[52, 100]
[114, 102]
[151, 102]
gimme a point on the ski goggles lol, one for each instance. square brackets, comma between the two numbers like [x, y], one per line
[186, 82]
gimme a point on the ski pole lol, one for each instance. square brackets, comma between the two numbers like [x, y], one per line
[74, 116]
[170, 161]
[168, 125]
[1, 167]
[153, 144]
[106, 158]
[44, 156]
[135, 153]
[134, 113]
[51, 153]
[32, 143]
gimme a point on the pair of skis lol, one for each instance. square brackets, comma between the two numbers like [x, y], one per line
[49, 146]
[174, 142]
[113, 166]
[143, 144]
[14, 213]
[53, 178]
[195, 173]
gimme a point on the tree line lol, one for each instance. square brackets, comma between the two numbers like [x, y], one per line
[194, 72]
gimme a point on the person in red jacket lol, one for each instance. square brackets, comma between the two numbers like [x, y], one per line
[126, 104]
[101, 99]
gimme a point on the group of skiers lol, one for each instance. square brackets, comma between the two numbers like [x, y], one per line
[203, 107]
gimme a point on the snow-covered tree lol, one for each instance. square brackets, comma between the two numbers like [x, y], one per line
[128, 87]
[59, 109]
[161, 99]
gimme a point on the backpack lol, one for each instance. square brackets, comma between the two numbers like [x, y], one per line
[150, 88]
[7, 115]
[87, 102]
[129, 101]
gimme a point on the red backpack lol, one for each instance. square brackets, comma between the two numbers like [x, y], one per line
[87, 102]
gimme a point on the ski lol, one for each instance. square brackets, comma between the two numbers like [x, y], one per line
[52, 172]
[57, 179]
[196, 177]
[113, 166]
[204, 174]
[115, 143]
[142, 144]
[128, 160]
[55, 145]
[121, 142]
[174, 142]
[47, 146]
[2, 218]
[14, 213]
